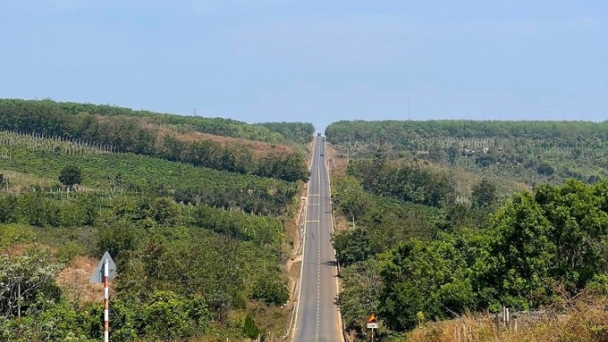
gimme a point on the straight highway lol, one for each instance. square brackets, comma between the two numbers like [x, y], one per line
[317, 316]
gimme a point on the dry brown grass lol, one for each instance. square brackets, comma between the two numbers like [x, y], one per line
[337, 163]
[19, 182]
[258, 148]
[584, 321]
[74, 279]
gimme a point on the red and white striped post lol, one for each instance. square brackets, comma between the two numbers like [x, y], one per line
[104, 272]
[106, 301]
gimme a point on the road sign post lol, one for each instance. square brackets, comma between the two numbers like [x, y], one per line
[372, 323]
[105, 271]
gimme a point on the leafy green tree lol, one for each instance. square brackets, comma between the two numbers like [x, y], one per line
[270, 289]
[352, 246]
[514, 268]
[164, 211]
[428, 277]
[578, 229]
[361, 294]
[70, 176]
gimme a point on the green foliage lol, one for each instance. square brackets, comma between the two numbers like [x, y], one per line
[361, 294]
[169, 316]
[124, 131]
[526, 151]
[534, 249]
[431, 278]
[484, 194]
[70, 176]
[250, 329]
[351, 246]
[150, 175]
[164, 211]
[515, 262]
[29, 275]
[297, 131]
[405, 182]
[270, 290]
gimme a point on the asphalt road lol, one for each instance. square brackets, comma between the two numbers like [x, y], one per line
[317, 316]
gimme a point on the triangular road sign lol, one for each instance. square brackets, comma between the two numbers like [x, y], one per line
[372, 322]
[97, 276]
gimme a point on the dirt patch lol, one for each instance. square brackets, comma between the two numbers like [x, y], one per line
[259, 148]
[337, 164]
[75, 281]
[342, 223]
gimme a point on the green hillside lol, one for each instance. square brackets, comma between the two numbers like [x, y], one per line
[127, 133]
[197, 249]
[273, 132]
[524, 151]
[440, 232]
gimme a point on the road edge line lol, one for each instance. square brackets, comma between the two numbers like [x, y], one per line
[333, 229]
[295, 321]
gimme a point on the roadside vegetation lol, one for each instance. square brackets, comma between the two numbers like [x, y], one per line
[437, 246]
[200, 248]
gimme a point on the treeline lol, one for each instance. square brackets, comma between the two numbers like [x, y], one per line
[215, 126]
[129, 173]
[296, 131]
[537, 249]
[402, 132]
[532, 152]
[127, 134]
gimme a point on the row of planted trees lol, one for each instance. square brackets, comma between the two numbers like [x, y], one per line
[129, 134]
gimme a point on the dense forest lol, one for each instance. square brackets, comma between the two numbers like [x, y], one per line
[200, 249]
[421, 247]
[123, 133]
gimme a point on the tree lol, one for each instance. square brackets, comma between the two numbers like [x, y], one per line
[164, 211]
[545, 169]
[515, 265]
[484, 194]
[70, 176]
[352, 246]
[428, 277]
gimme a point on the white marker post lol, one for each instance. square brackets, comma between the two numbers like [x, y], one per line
[372, 323]
[105, 271]
[106, 302]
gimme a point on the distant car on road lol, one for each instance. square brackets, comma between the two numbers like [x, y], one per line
[318, 134]
[322, 154]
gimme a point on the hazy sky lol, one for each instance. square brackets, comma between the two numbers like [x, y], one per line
[314, 61]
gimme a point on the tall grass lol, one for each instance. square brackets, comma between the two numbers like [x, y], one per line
[585, 320]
